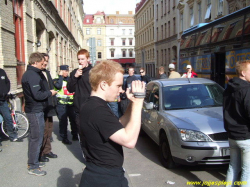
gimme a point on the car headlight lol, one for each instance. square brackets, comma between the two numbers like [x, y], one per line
[193, 136]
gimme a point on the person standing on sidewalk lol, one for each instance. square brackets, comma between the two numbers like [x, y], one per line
[103, 132]
[236, 114]
[79, 84]
[36, 97]
[49, 112]
[4, 108]
[64, 106]
[172, 73]
[162, 73]
[144, 77]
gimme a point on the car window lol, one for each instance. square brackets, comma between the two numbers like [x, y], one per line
[192, 96]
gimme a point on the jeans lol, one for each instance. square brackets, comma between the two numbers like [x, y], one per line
[239, 162]
[114, 108]
[63, 113]
[36, 131]
[5, 112]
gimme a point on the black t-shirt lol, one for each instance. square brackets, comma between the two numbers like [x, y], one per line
[97, 124]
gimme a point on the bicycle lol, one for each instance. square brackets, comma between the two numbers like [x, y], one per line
[20, 121]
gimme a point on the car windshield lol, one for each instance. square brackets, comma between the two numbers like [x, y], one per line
[192, 96]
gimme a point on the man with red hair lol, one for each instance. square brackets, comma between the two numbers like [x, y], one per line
[79, 83]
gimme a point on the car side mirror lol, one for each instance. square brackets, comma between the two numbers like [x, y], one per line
[149, 106]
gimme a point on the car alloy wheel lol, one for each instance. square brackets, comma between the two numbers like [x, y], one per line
[166, 156]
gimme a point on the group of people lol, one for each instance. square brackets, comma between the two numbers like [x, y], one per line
[46, 97]
[85, 96]
[174, 74]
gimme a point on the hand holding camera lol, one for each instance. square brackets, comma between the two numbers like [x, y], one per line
[136, 90]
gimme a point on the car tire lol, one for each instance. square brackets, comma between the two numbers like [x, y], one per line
[166, 156]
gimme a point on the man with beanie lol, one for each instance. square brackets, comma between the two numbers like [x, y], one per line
[65, 107]
[172, 73]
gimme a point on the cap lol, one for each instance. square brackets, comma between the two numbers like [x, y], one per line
[171, 66]
[189, 67]
[64, 67]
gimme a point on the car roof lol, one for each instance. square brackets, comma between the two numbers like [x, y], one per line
[181, 81]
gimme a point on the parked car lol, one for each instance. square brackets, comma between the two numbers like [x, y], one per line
[185, 118]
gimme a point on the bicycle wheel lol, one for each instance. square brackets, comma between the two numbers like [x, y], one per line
[22, 125]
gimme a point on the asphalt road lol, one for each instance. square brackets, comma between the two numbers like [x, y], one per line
[142, 165]
[144, 168]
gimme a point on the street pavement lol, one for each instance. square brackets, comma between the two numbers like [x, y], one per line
[64, 171]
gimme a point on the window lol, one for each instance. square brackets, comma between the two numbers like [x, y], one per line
[19, 35]
[199, 12]
[220, 7]
[174, 26]
[130, 31]
[156, 12]
[112, 41]
[99, 55]
[168, 5]
[123, 41]
[208, 12]
[181, 22]
[123, 53]
[161, 31]
[191, 16]
[87, 42]
[99, 31]
[112, 31]
[98, 20]
[123, 31]
[130, 41]
[130, 53]
[169, 29]
[112, 53]
[99, 42]
[87, 21]
[111, 21]
[88, 31]
[161, 8]
[165, 7]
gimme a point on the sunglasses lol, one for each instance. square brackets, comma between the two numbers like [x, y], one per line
[141, 71]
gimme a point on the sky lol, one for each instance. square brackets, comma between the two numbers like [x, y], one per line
[109, 6]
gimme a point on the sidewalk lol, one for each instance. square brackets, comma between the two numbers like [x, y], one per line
[64, 171]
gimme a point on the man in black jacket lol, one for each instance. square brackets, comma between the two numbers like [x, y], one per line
[49, 112]
[4, 109]
[236, 112]
[144, 77]
[79, 83]
[127, 84]
[36, 97]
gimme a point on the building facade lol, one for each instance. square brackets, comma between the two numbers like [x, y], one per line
[120, 39]
[110, 36]
[159, 26]
[94, 40]
[145, 36]
[48, 26]
[166, 33]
